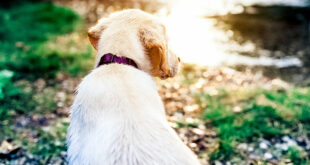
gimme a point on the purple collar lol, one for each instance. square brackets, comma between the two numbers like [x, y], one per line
[111, 58]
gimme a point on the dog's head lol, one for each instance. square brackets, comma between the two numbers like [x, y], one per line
[150, 33]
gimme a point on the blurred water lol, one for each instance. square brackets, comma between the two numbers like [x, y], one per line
[222, 7]
[196, 39]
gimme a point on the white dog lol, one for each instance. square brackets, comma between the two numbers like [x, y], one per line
[117, 116]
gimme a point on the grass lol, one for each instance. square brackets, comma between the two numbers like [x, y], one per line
[24, 33]
[266, 114]
[52, 143]
[38, 41]
[7, 92]
[42, 46]
[31, 48]
[298, 156]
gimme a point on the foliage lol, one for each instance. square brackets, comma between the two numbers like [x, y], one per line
[23, 35]
[7, 91]
[5, 79]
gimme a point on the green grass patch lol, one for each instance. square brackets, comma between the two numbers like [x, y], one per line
[279, 115]
[298, 156]
[38, 40]
[24, 33]
[52, 143]
[294, 103]
[7, 92]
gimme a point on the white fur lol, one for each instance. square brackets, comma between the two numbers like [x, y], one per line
[118, 118]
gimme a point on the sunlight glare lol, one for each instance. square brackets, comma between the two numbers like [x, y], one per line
[195, 38]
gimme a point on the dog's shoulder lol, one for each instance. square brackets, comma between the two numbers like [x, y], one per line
[118, 86]
[120, 74]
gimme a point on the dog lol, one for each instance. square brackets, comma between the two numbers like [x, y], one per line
[117, 117]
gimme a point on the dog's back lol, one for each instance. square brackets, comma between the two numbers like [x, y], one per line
[117, 117]
[116, 121]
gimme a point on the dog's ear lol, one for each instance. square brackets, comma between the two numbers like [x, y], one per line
[155, 45]
[174, 62]
[95, 31]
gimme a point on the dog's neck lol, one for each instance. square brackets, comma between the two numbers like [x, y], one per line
[111, 58]
[125, 44]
